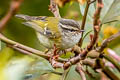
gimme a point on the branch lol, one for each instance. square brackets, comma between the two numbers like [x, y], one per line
[26, 49]
[83, 22]
[112, 60]
[113, 54]
[108, 40]
[22, 47]
[80, 71]
[110, 73]
[96, 25]
[90, 62]
[15, 4]
[54, 8]
[107, 70]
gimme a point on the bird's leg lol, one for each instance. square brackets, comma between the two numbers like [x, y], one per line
[55, 52]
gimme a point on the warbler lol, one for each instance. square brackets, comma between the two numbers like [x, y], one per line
[64, 33]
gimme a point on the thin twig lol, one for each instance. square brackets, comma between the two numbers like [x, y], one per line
[108, 40]
[106, 69]
[112, 60]
[96, 26]
[20, 46]
[83, 22]
[15, 4]
[26, 49]
[92, 1]
[113, 54]
[81, 72]
[54, 8]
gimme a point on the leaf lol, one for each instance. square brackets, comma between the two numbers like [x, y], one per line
[13, 64]
[87, 34]
[39, 67]
[90, 11]
[64, 75]
[113, 11]
[72, 74]
[110, 11]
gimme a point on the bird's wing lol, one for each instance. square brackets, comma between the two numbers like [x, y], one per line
[44, 31]
[40, 24]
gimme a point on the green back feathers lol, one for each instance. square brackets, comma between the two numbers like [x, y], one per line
[50, 22]
[40, 23]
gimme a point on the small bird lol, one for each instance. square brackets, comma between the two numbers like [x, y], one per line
[64, 33]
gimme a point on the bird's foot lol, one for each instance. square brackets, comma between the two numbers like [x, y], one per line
[55, 52]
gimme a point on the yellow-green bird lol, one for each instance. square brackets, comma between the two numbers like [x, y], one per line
[64, 33]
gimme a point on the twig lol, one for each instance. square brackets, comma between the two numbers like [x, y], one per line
[20, 46]
[96, 25]
[15, 4]
[55, 63]
[110, 74]
[23, 51]
[106, 41]
[102, 74]
[92, 1]
[55, 72]
[112, 60]
[91, 62]
[81, 72]
[108, 71]
[26, 49]
[113, 54]
[83, 22]
[54, 8]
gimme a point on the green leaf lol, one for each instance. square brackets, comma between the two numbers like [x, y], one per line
[113, 12]
[110, 11]
[87, 34]
[39, 67]
[72, 74]
[88, 29]
[90, 11]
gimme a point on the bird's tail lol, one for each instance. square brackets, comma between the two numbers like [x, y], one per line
[24, 17]
[29, 18]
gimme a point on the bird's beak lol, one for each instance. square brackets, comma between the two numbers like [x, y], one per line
[82, 30]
